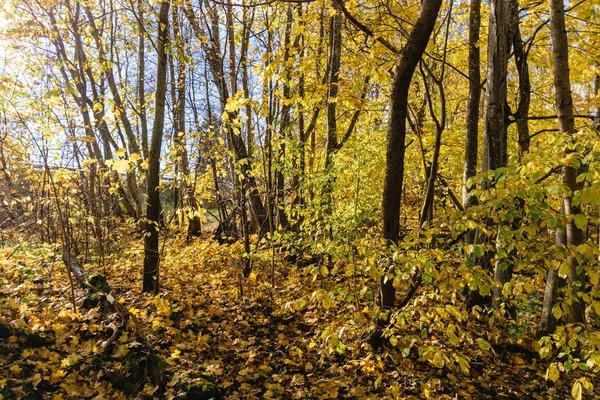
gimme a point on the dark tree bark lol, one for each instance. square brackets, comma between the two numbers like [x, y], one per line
[282, 219]
[440, 124]
[520, 55]
[394, 173]
[554, 282]
[495, 136]
[471, 136]
[141, 79]
[150, 281]
[335, 52]
[566, 124]
[300, 160]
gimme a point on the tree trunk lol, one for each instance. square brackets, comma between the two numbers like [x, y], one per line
[440, 124]
[471, 136]
[522, 113]
[566, 124]
[495, 136]
[282, 218]
[141, 79]
[394, 173]
[151, 256]
[553, 283]
[335, 53]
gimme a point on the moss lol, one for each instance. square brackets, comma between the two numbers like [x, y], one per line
[98, 281]
[201, 389]
[93, 300]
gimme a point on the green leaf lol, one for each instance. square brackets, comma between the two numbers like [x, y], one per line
[580, 221]
[554, 189]
[484, 344]
[478, 251]
[406, 352]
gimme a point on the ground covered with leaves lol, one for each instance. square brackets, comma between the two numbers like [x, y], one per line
[304, 338]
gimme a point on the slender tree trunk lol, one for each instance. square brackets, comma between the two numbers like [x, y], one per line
[596, 123]
[282, 218]
[141, 79]
[394, 173]
[522, 113]
[566, 124]
[335, 54]
[548, 323]
[440, 124]
[471, 136]
[150, 281]
[300, 160]
[194, 224]
[495, 136]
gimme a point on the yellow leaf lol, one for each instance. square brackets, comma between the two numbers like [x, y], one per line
[596, 307]
[15, 369]
[36, 379]
[324, 271]
[453, 339]
[378, 381]
[121, 166]
[552, 373]
[135, 157]
[56, 375]
[176, 354]
[577, 391]
[121, 152]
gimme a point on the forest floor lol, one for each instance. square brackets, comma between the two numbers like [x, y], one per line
[304, 339]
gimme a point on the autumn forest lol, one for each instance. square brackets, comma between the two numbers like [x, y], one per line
[299, 199]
